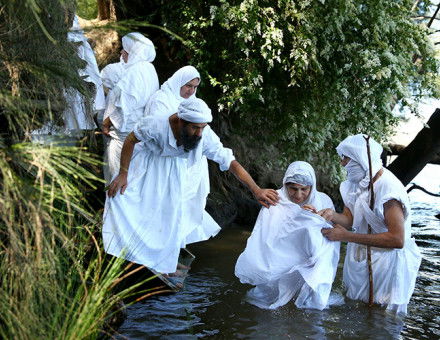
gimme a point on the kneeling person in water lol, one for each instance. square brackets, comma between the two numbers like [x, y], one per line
[286, 257]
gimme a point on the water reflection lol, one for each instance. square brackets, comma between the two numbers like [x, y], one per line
[211, 305]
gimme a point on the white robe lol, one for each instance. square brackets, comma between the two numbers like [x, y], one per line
[287, 257]
[151, 221]
[164, 103]
[125, 107]
[394, 270]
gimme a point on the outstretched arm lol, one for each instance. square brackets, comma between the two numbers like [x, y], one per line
[393, 238]
[120, 181]
[345, 218]
[265, 197]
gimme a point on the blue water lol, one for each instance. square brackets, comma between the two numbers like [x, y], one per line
[211, 304]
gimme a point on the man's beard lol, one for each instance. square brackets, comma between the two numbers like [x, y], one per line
[189, 142]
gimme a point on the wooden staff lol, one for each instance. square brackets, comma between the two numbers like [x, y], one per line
[370, 187]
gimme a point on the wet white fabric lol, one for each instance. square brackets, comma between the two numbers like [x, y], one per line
[194, 111]
[286, 256]
[167, 100]
[165, 103]
[126, 101]
[150, 222]
[77, 116]
[394, 270]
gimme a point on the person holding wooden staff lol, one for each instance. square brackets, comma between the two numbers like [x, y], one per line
[395, 257]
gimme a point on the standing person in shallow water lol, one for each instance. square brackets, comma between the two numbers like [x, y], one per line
[286, 256]
[395, 255]
[146, 218]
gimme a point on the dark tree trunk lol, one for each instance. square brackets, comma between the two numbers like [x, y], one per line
[106, 9]
[424, 148]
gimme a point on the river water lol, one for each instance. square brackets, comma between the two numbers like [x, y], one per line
[211, 305]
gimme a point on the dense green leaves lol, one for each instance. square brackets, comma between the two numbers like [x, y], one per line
[305, 74]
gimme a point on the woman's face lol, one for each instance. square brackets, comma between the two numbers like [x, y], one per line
[345, 160]
[298, 193]
[189, 88]
[124, 55]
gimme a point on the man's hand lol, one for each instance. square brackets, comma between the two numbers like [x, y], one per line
[337, 233]
[310, 207]
[120, 182]
[266, 197]
[328, 214]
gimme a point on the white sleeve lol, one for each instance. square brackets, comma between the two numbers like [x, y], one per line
[112, 111]
[214, 150]
[144, 130]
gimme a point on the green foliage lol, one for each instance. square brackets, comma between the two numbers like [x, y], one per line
[87, 9]
[305, 74]
[54, 282]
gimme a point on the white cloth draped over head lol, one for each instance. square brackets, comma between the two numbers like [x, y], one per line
[127, 100]
[166, 101]
[194, 111]
[286, 256]
[301, 173]
[355, 147]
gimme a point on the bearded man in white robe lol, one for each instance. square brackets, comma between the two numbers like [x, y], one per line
[395, 257]
[147, 218]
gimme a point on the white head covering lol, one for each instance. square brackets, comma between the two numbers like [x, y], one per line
[138, 47]
[194, 111]
[166, 101]
[302, 173]
[355, 147]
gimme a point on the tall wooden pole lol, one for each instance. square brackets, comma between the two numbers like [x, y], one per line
[370, 268]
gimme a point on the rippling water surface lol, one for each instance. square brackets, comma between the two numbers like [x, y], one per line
[211, 304]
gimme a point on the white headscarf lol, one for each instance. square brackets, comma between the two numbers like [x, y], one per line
[355, 147]
[166, 101]
[194, 111]
[138, 47]
[302, 173]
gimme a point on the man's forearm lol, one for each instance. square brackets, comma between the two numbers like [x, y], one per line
[243, 176]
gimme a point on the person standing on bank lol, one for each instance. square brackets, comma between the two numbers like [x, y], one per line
[181, 86]
[126, 101]
[145, 216]
[395, 255]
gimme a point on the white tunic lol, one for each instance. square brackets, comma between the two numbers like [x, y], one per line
[287, 257]
[151, 221]
[394, 270]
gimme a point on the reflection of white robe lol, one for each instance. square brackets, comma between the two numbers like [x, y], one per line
[151, 222]
[287, 257]
[394, 270]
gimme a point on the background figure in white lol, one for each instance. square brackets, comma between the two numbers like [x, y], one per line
[110, 75]
[395, 255]
[182, 85]
[126, 101]
[286, 257]
[145, 219]
[77, 116]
